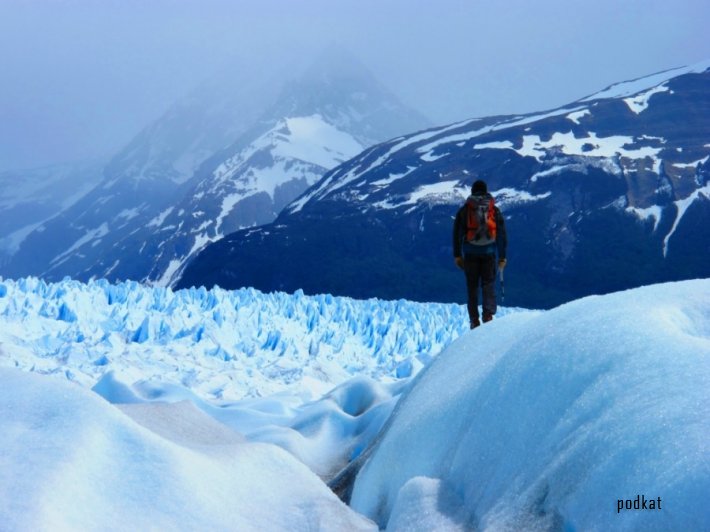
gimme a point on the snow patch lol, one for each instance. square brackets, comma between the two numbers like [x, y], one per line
[639, 103]
[630, 88]
[644, 214]
[90, 236]
[505, 124]
[448, 192]
[681, 207]
[393, 177]
[590, 146]
[509, 197]
[693, 164]
[158, 220]
[502, 145]
[575, 117]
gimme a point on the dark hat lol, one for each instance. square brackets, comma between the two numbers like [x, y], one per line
[479, 186]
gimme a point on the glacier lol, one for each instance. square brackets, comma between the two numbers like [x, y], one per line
[129, 406]
[220, 344]
[72, 461]
[546, 421]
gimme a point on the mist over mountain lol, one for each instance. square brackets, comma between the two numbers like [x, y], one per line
[28, 198]
[222, 159]
[321, 119]
[605, 193]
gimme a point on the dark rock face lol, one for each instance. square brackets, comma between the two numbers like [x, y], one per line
[607, 193]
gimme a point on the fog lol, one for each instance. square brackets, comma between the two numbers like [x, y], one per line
[79, 78]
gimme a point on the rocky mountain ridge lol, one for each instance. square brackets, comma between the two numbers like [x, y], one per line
[605, 193]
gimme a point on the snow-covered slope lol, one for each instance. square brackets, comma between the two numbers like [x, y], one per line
[327, 116]
[547, 421]
[230, 155]
[246, 189]
[139, 183]
[30, 197]
[620, 174]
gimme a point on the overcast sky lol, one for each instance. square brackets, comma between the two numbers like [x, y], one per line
[79, 78]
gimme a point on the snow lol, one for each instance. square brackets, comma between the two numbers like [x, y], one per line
[228, 203]
[692, 164]
[447, 192]
[91, 235]
[654, 211]
[173, 267]
[682, 206]
[337, 181]
[430, 157]
[270, 178]
[129, 214]
[160, 218]
[12, 242]
[505, 124]
[314, 140]
[575, 117]
[309, 139]
[72, 461]
[393, 177]
[639, 103]
[509, 197]
[630, 88]
[545, 420]
[297, 148]
[131, 407]
[506, 144]
[590, 146]
[554, 170]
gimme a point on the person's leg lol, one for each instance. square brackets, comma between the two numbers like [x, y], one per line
[473, 276]
[488, 279]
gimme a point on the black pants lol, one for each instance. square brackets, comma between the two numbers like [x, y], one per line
[480, 271]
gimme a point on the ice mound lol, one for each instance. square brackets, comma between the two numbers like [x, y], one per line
[69, 460]
[546, 421]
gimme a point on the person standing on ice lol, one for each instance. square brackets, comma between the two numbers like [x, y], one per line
[479, 234]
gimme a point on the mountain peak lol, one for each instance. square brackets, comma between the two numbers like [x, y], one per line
[337, 86]
[336, 63]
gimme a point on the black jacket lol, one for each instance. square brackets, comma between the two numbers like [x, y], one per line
[459, 236]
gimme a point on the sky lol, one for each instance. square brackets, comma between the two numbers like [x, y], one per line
[80, 78]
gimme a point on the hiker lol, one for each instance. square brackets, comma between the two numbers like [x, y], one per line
[479, 233]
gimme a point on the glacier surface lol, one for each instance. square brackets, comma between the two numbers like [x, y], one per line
[546, 421]
[125, 406]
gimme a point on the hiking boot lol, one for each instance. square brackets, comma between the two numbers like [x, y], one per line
[487, 317]
[475, 323]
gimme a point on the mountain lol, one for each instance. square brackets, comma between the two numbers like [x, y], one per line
[200, 173]
[148, 176]
[606, 193]
[29, 197]
[327, 116]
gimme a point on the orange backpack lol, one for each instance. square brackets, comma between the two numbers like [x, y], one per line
[480, 220]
